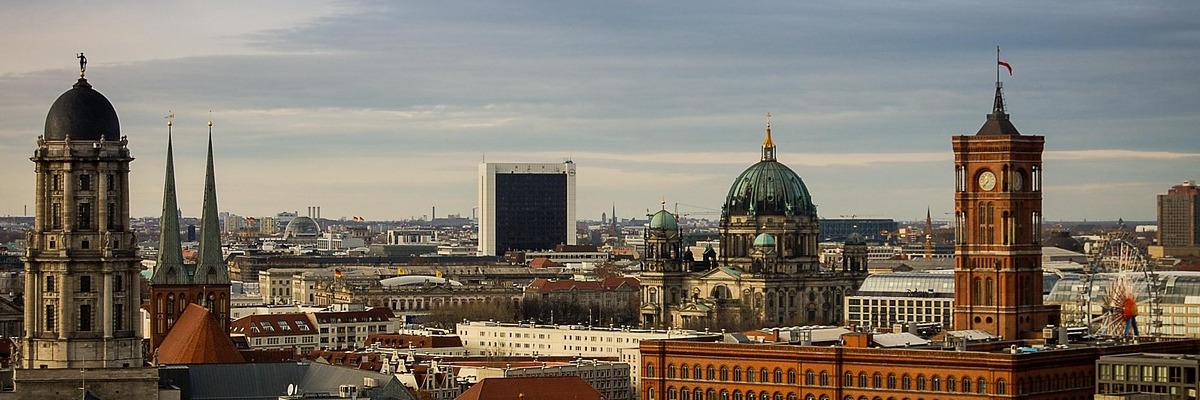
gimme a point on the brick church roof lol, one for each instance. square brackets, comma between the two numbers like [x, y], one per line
[197, 338]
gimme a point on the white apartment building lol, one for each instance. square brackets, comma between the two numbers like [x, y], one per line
[347, 326]
[501, 339]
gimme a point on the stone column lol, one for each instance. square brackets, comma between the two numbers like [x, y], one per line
[64, 305]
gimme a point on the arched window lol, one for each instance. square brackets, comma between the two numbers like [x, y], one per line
[696, 372]
[951, 384]
[1000, 387]
[672, 393]
[778, 396]
[791, 379]
[724, 394]
[936, 384]
[966, 384]
[710, 373]
[920, 382]
[649, 370]
[650, 394]
[891, 381]
[848, 379]
[981, 385]
[778, 375]
[862, 379]
[824, 378]
[906, 382]
[724, 373]
[763, 376]
[737, 375]
[685, 394]
[684, 371]
[809, 377]
[750, 395]
[737, 395]
[877, 381]
[710, 395]
[671, 371]
[750, 375]
[764, 396]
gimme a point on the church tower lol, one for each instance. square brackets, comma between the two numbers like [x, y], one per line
[664, 270]
[174, 284]
[998, 215]
[81, 265]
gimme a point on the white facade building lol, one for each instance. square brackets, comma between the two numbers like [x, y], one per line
[497, 339]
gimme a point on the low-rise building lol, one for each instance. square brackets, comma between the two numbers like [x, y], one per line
[347, 326]
[611, 379]
[277, 331]
[1172, 376]
[496, 339]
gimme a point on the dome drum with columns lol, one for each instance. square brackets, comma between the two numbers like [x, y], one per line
[767, 271]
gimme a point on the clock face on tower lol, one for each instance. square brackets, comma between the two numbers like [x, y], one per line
[1018, 182]
[987, 180]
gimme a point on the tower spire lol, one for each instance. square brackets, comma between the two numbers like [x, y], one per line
[170, 268]
[998, 104]
[211, 267]
[768, 146]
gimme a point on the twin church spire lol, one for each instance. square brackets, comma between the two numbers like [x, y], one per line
[170, 269]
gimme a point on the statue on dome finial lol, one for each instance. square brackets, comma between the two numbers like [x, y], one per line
[82, 64]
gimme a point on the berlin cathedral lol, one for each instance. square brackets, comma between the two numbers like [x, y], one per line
[768, 271]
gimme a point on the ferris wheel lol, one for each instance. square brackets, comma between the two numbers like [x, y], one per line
[1118, 285]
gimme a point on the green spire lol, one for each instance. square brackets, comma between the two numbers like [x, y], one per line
[211, 269]
[169, 270]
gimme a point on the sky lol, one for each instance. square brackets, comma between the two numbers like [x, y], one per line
[384, 109]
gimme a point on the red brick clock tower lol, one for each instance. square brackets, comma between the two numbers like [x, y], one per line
[998, 215]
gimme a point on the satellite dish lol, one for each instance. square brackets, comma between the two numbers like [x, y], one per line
[291, 389]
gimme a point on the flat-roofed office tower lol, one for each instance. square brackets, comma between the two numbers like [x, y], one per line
[526, 206]
[1179, 216]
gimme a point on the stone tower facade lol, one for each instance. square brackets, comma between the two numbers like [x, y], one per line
[998, 212]
[81, 266]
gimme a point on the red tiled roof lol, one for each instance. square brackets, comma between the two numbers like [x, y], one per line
[197, 338]
[532, 388]
[263, 325]
[396, 340]
[381, 314]
[543, 262]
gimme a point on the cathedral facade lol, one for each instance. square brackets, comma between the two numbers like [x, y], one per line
[767, 271]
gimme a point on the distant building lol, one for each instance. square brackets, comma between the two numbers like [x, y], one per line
[532, 388]
[1170, 376]
[347, 327]
[497, 339]
[873, 229]
[525, 206]
[1178, 222]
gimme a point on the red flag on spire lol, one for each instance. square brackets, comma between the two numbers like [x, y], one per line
[1005, 64]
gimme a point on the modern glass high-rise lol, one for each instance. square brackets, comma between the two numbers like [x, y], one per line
[526, 206]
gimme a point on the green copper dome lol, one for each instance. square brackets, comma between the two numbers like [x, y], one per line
[663, 220]
[764, 240]
[769, 188]
[856, 238]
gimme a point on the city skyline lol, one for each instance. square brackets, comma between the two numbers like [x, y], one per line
[385, 110]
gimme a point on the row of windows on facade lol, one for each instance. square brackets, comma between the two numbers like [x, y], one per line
[810, 378]
[564, 337]
[85, 318]
[83, 217]
[1148, 373]
[85, 182]
[84, 284]
[1010, 229]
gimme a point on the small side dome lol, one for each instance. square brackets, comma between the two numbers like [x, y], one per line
[856, 238]
[764, 240]
[82, 114]
[664, 220]
[302, 227]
